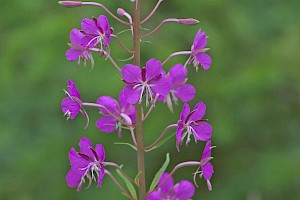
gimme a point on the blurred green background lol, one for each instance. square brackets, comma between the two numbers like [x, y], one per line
[252, 93]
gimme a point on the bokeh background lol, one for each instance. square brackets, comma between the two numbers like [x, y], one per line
[252, 93]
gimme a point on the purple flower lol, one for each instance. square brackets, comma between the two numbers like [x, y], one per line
[191, 123]
[98, 29]
[185, 92]
[184, 190]
[71, 105]
[198, 55]
[88, 163]
[207, 169]
[79, 48]
[122, 113]
[149, 81]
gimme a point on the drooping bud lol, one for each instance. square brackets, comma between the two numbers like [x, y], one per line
[188, 21]
[121, 11]
[70, 4]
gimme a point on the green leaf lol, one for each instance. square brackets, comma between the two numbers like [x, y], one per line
[128, 184]
[159, 173]
[128, 144]
[136, 179]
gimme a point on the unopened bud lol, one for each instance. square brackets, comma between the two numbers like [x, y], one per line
[188, 21]
[121, 11]
[70, 4]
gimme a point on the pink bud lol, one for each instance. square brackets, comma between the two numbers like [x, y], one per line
[188, 21]
[121, 11]
[70, 4]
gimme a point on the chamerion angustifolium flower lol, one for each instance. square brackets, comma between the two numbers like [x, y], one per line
[71, 105]
[115, 114]
[191, 123]
[179, 89]
[87, 163]
[147, 81]
[199, 55]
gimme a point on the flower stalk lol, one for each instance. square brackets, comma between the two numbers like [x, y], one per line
[138, 106]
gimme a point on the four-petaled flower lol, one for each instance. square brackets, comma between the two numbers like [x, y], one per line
[87, 163]
[184, 190]
[198, 55]
[207, 169]
[149, 80]
[79, 48]
[115, 114]
[193, 124]
[179, 88]
[98, 29]
[71, 105]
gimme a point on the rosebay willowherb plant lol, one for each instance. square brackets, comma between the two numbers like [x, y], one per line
[143, 88]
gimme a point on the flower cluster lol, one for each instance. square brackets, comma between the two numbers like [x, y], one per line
[144, 85]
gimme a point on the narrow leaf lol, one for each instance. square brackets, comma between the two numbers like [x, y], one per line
[136, 179]
[128, 144]
[161, 143]
[128, 184]
[159, 173]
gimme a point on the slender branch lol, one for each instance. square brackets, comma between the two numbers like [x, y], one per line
[117, 183]
[176, 54]
[151, 108]
[122, 45]
[133, 136]
[160, 25]
[112, 61]
[120, 169]
[100, 106]
[160, 137]
[153, 11]
[180, 165]
[104, 8]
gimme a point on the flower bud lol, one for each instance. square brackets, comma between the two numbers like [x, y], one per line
[70, 4]
[121, 11]
[188, 21]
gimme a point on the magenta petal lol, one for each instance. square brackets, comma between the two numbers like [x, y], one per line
[100, 178]
[178, 75]
[76, 160]
[199, 41]
[103, 23]
[207, 170]
[199, 112]
[73, 55]
[132, 96]
[203, 130]
[74, 176]
[108, 102]
[106, 124]
[184, 190]
[100, 152]
[89, 26]
[68, 105]
[85, 147]
[155, 196]
[204, 59]
[207, 150]
[179, 134]
[167, 186]
[131, 73]
[162, 86]
[153, 68]
[185, 92]
[107, 39]
[72, 89]
[185, 111]
[76, 37]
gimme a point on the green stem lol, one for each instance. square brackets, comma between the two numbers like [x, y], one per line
[138, 107]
